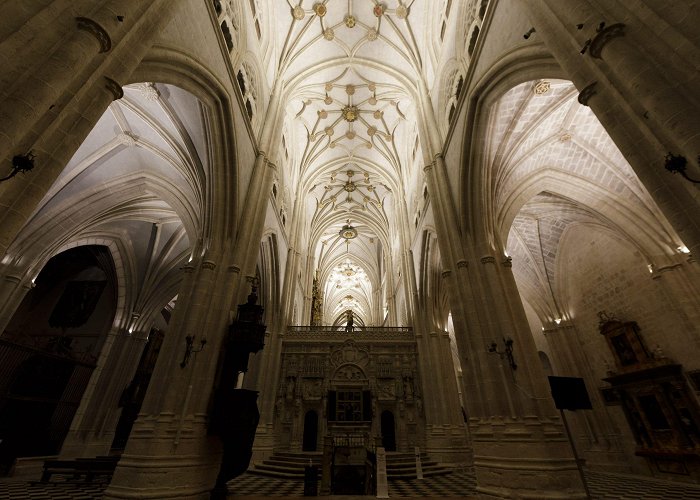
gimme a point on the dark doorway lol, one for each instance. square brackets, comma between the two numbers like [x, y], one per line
[388, 431]
[310, 431]
[49, 349]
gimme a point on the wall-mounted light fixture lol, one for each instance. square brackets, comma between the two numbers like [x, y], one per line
[20, 163]
[189, 349]
[507, 350]
[529, 33]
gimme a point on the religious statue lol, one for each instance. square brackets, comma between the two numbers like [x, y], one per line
[349, 325]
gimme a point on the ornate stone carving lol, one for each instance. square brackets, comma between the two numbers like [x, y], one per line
[86, 24]
[127, 139]
[603, 37]
[114, 88]
[149, 91]
[349, 372]
[542, 87]
[588, 92]
[446, 273]
[508, 262]
[312, 389]
[488, 259]
[208, 264]
[462, 264]
[386, 390]
[349, 353]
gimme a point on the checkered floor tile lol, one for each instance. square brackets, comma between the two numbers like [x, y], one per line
[606, 486]
[459, 483]
[21, 490]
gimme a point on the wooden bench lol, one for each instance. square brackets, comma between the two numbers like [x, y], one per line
[87, 468]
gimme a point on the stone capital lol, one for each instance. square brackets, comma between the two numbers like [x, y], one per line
[587, 92]
[488, 259]
[114, 88]
[603, 37]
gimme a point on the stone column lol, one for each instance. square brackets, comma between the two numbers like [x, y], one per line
[52, 110]
[627, 87]
[445, 434]
[169, 454]
[519, 442]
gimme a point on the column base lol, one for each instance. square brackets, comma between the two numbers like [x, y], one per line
[448, 444]
[264, 444]
[533, 478]
[161, 461]
[524, 458]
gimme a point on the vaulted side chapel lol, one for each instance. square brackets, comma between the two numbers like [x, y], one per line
[236, 234]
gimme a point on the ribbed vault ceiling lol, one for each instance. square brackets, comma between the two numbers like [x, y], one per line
[350, 68]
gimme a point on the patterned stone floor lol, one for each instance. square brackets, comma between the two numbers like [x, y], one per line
[458, 484]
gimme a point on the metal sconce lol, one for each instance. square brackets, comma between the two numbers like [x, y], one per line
[507, 350]
[20, 163]
[676, 164]
[189, 349]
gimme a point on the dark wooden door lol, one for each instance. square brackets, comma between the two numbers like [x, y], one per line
[310, 431]
[388, 431]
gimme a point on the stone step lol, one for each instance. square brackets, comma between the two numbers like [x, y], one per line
[290, 465]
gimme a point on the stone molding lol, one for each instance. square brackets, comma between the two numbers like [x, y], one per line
[209, 264]
[446, 273]
[462, 264]
[94, 28]
[488, 259]
[323, 333]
